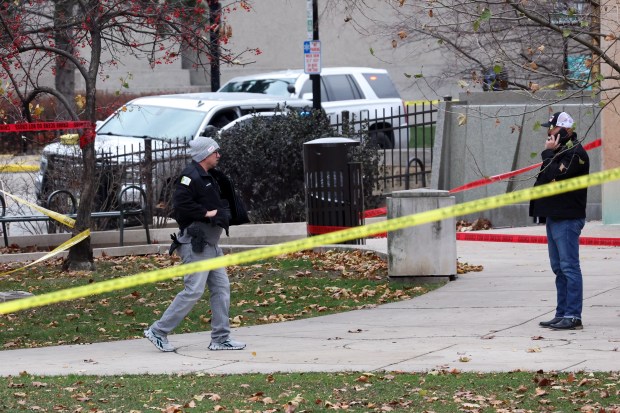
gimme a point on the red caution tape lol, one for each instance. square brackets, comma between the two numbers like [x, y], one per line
[477, 236]
[532, 239]
[323, 229]
[484, 181]
[37, 126]
[371, 213]
[501, 177]
[87, 137]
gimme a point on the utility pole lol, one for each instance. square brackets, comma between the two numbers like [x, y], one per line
[316, 78]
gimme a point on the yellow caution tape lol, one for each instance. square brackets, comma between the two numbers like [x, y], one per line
[18, 168]
[70, 222]
[64, 246]
[423, 102]
[70, 139]
[484, 204]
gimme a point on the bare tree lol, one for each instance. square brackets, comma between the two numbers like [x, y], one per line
[507, 44]
[40, 36]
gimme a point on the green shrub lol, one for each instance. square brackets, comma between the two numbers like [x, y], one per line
[264, 158]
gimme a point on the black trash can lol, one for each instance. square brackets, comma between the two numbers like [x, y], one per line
[334, 190]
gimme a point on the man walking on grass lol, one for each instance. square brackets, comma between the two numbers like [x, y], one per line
[203, 200]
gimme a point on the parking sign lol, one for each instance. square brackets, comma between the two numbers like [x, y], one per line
[312, 57]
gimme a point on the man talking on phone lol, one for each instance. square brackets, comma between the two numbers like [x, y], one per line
[564, 216]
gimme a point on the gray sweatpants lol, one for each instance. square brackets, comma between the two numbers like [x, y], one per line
[219, 290]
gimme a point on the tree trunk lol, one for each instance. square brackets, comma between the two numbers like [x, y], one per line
[81, 255]
[65, 70]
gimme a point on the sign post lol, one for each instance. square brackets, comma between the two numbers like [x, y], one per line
[309, 20]
[312, 52]
[312, 57]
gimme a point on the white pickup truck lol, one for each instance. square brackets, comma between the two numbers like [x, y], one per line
[364, 95]
[163, 124]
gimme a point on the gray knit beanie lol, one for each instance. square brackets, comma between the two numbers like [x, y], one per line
[201, 147]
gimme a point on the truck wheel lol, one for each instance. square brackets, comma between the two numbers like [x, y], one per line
[381, 139]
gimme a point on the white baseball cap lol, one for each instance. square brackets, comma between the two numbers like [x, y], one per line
[561, 119]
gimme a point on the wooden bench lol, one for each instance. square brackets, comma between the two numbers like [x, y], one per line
[120, 215]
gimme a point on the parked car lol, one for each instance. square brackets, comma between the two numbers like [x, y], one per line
[144, 143]
[363, 95]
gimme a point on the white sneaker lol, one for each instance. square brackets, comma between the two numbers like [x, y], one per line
[161, 342]
[229, 344]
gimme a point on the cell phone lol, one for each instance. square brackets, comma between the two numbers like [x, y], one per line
[563, 136]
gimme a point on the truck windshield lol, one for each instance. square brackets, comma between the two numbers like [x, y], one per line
[274, 87]
[154, 121]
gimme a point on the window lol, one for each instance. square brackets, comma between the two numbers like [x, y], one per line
[307, 88]
[341, 87]
[153, 121]
[334, 88]
[274, 87]
[382, 85]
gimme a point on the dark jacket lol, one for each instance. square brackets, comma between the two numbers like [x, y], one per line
[198, 191]
[565, 163]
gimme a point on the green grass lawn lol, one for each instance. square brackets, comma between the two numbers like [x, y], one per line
[437, 391]
[294, 286]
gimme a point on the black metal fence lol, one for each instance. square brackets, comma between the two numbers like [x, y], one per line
[405, 140]
[153, 167]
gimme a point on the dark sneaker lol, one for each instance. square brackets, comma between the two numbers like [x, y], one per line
[161, 342]
[548, 323]
[229, 344]
[568, 324]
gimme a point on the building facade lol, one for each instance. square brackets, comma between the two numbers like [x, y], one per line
[278, 29]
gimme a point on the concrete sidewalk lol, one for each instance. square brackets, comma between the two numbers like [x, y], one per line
[485, 321]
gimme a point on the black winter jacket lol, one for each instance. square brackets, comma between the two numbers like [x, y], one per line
[565, 163]
[198, 191]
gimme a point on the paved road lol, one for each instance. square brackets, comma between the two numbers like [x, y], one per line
[485, 321]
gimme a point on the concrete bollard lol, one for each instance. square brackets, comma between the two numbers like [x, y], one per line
[422, 253]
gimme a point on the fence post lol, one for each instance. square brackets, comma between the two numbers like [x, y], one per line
[148, 178]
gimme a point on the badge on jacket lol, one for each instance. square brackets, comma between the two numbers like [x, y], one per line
[186, 180]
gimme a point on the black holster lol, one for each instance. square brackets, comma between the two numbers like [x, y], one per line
[198, 238]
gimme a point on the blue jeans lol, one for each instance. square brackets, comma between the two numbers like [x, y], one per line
[563, 243]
